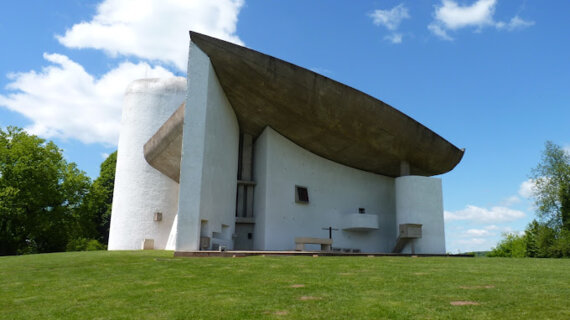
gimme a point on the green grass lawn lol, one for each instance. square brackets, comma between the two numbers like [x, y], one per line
[154, 285]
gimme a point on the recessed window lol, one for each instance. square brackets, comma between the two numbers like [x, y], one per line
[250, 235]
[301, 194]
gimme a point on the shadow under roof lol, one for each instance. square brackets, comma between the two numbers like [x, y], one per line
[324, 116]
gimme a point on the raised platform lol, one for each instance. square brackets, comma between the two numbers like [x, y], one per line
[239, 253]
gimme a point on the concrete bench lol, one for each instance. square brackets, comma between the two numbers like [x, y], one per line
[324, 242]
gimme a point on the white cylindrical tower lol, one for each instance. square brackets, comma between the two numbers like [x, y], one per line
[419, 200]
[140, 190]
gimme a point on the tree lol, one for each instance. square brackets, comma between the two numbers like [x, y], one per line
[552, 187]
[540, 239]
[39, 194]
[512, 246]
[549, 237]
[96, 212]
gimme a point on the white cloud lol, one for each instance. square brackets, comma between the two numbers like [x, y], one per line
[526, 188]
[510, 201]
[156, 30]
[472, 241]
[477, 233]
[439, 31]
[474, 213]
[515, 23]
[451, 16]
[64, 101]
[390, 19]
[394, 38]
[566, 149]
[472, 244]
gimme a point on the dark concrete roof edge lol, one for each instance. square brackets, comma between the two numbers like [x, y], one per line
[194, 34]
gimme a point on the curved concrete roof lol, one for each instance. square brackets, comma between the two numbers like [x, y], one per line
[324, 116]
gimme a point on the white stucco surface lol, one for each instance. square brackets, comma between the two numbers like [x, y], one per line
[208, 179]
[335, 192]
[419, 200]
[141, 190]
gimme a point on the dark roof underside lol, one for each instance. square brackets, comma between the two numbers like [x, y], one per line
[324, 116]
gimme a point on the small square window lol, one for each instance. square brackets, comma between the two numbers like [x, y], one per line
[301, 194]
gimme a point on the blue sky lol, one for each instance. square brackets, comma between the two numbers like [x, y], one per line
[491, 76]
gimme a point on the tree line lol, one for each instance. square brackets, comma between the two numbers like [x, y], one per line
[549, 235]
[48, 204]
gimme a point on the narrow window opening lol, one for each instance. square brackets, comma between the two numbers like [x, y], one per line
[301, 194]
[250, 235]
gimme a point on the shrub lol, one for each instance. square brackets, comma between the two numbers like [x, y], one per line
[83, 244]
[513, 245]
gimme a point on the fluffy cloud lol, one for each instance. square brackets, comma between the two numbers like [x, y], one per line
[450, 16]
[526, 188]
[477, 214]
[391, 19]
[477, 232]
[156, 30]
[454, 16]
[64, 101]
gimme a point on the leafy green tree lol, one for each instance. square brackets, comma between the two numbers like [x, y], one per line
[96, 212]
[39, 194]
[513, 246]
[549, 237]
[540, 239]
[552, 187]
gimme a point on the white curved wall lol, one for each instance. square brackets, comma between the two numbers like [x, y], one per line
[419, 200]
[335, 194]
[209, 164]
[141, 190]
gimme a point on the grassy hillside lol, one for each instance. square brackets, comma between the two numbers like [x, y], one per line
[153, 285]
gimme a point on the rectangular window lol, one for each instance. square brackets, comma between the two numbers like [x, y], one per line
[301, 194]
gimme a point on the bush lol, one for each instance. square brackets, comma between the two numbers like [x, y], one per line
[513, 246]
[82, 244]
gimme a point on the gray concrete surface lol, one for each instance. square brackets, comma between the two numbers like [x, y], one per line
[324, 116]
[164, 149]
